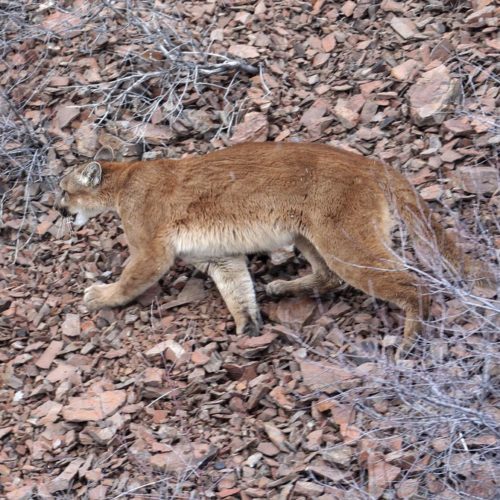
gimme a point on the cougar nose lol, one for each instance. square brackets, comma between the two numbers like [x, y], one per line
[62, 210]
[58, 205]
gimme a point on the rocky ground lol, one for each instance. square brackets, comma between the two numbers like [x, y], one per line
[161, 399]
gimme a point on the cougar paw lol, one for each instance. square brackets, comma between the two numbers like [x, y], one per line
[406, 350]
[276, 288]
[99, 296]
[251, 329]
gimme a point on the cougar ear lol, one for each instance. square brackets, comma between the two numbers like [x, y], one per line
[91, 175]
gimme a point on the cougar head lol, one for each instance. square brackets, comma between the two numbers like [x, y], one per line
[81, 193]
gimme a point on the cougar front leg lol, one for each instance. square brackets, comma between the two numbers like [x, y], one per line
[234, 283]
[144, 269]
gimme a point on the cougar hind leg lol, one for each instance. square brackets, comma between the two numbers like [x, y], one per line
[363, 259]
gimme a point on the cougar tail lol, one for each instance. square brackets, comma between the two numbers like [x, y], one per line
[432, 242]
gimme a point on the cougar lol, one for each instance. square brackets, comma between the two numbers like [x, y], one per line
[335, 206]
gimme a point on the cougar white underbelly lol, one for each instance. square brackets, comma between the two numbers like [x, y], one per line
[219, 242]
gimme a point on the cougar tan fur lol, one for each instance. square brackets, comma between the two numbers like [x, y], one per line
[335, 206]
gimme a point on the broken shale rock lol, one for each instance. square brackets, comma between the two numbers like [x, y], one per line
[94, 408]
[431, 96]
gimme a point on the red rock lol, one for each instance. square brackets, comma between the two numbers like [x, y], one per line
[356, 102]
[451, 156]
[494, 43]
[93, 475]
[71, 325]
[407, 488]
[268, 449]
[243, 51]
[254, 128]
[459, 126]
[442, 51]
[307, 488]
[276, 436]
[344, 113]
[63, 481]
[327, 377]
[317, 5]
[423, 175]
[228, 492]
[256, 342]
[98, 492]
[260, 8]
[325, 405]
[440, 444]
[339, 309]
[182, 457]
[369, 87]
[295, 311]
[61, 372]
[257, 394]
[431, 95]
[48, 356]
[43, 227]
[241, 372]
[368, 134]
[94, 408]
[21, 493]
[193, 291]
[484, 440]
[432, 192]
[242, 17]
[350, 433]
[59, 81]
[331, 473]
[170, 348]
[153, 377]
[316, 111]
[133, 131]
[348, 8]
[391, 6]
[479, 180]
[199, 358]
[101, 435]
[406, 71]
[338, 454]
[61, 23]
[20, 359]
[487, 16]
[49, 407]
[237, 405]
[160, 416]
[279, 396]
[404, 27]
[329, 42]
[315, 438]
[86, 138]
[461, 463]
[380, 474]
[320, 59]
[66, 113]
[116, 353]
[4, 431]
